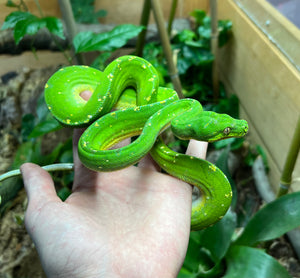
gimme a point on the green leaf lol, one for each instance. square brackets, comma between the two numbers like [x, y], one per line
[51, 157]
[197, 56]
[24, 154]
[67, 179]
[66, 156]
[191, 262]
[183, 65]
[223, 143]
[224, 27]
[199, 15]
[84, 11]
[264, 157]
[273, 220]
[55, 26]
[217, 238]
[152, 51]
[184, 36]
[42, 110]
[19, 219]
[193, 56]
[185, 273]
[222, 163]
[37, 156]
[28, 123]
[228, 106]
[204, 30]
[25, 23]
[8, 191]
[101, 13]
[13, 18]
[45, 127]
[109, 41]
[199, 261]
[247, 262]
[29, 26]
[208, 267]
[10, 4]
[64, 193]
[250, 158]
[100, 61]
[235, 143]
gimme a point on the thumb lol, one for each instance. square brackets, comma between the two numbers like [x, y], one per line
[39, 185]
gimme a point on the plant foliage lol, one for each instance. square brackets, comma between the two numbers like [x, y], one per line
[194, 58]
[217, 251]
[214, 252]
[108, 41]
[25, 23]
[84, 11]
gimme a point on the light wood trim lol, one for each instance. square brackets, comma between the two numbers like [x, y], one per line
[281, 31]
[267, 84]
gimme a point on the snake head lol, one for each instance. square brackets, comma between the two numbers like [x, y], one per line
[220, 126]
[236, 128]
[210, 127]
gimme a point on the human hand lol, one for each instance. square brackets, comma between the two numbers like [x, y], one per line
[133, 222]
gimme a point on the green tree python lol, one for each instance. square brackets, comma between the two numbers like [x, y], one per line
[127, 101]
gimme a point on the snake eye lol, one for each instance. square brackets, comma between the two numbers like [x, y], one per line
[227, 130]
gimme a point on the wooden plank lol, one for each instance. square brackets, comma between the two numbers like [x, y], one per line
[267, 85]
[43, 58]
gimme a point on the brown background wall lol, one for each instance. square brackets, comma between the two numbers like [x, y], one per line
[48, 7]
[131, 10]
[118, 11]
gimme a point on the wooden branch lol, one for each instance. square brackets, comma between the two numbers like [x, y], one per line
[42, 40]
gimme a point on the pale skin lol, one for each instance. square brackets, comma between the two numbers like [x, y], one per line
[133, 222]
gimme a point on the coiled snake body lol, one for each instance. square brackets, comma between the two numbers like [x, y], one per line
[153, 110]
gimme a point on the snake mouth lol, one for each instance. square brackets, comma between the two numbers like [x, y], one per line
[240, 130]
[245, 128]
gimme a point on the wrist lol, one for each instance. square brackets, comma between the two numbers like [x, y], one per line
[103, 274]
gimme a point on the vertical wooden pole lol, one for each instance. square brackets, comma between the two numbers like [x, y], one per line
[166, 46]
[67, 14]
[214, 46]
[172, 15]
[144, 22]
[289, 165]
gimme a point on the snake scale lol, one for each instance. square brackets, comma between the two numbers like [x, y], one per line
[127, 101]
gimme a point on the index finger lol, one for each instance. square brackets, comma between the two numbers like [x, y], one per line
[197, 149]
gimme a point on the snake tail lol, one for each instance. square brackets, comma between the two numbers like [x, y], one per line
[215, 190]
